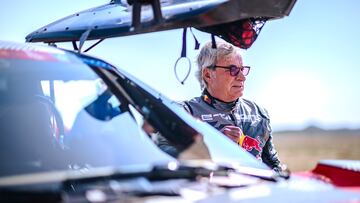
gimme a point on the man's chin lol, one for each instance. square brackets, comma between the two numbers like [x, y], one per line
[239, 93]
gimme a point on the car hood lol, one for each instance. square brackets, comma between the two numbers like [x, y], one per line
[119, 19]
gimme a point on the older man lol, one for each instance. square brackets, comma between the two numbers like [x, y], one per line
[222, 77]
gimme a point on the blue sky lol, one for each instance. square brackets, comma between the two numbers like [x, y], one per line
[305, 67]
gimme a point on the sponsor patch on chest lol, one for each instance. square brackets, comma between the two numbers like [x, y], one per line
[211, 117]
[253, 119]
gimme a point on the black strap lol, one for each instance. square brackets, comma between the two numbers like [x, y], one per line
[75, 46]
[213, 41]
[92, 46]
[183, 54]
[183, 49]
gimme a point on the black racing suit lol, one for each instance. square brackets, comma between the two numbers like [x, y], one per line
[248, 116]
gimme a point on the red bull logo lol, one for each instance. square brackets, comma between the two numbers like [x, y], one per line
[249, 143]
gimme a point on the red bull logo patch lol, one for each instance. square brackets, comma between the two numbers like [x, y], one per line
[249, 143]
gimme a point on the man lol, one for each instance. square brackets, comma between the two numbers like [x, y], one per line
[222, 74]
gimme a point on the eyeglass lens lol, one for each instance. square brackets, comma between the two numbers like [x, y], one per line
[234, 70]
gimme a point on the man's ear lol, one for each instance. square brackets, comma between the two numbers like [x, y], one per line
[206, 74]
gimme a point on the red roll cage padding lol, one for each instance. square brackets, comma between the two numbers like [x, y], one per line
[241, 33]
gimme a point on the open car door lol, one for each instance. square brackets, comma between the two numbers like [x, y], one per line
[236, 21]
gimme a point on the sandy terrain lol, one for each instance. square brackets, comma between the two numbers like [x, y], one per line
[301, 150]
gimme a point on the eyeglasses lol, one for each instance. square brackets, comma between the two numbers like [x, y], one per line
[235, 70]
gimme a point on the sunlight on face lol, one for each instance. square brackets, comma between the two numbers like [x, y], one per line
[295, 98]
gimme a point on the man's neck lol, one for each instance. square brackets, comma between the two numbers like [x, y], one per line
[210, 95]
[218, 104]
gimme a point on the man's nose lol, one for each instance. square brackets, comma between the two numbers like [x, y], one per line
[240, 76]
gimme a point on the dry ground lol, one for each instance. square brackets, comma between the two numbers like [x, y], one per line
[301, 150]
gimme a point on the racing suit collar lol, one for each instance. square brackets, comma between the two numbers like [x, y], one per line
[217, 103]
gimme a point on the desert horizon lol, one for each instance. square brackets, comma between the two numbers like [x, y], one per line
[301, 150]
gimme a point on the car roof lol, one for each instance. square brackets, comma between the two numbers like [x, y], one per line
[117, 18]
[27, 51]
